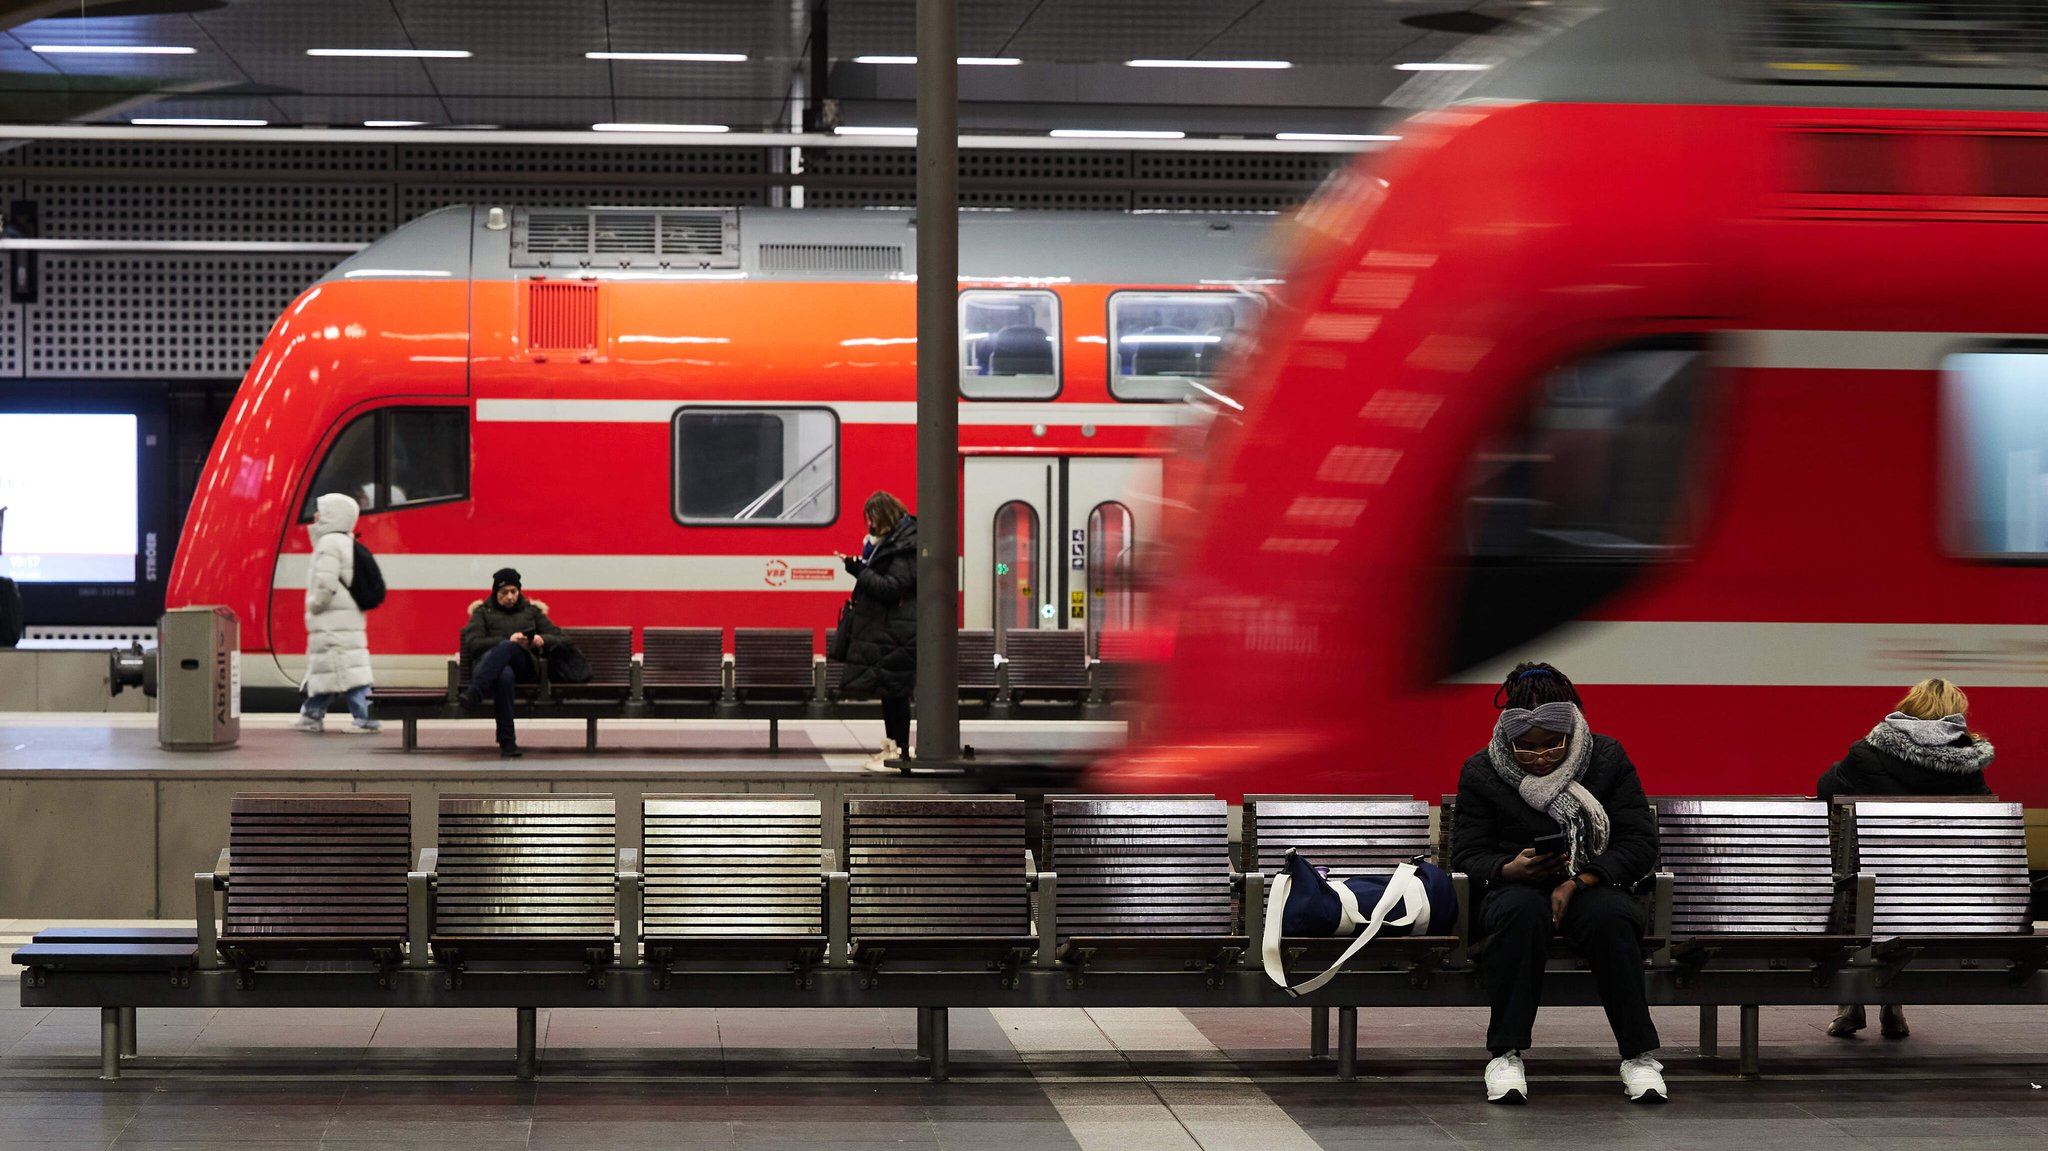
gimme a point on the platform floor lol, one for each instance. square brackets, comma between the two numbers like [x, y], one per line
[1101, 1080]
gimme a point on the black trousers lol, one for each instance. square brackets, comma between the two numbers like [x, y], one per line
[896, 721]
[1603, 925]
[497, 677]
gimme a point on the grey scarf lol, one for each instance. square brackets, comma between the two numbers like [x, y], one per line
[1559, 794]
[1931, 743]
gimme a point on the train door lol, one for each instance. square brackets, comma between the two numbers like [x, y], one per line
[1056, 542]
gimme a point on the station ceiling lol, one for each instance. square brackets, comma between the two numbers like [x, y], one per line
[541, 64]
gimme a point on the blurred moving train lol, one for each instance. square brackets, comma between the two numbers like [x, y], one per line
[1701, 352]
[672, 417]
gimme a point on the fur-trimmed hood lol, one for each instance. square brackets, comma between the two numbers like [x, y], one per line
[1961, 758]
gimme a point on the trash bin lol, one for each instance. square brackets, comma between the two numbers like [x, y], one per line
[199, 679]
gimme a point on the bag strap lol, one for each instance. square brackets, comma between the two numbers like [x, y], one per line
[1402, 887]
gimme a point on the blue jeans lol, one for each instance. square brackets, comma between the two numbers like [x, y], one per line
[497, 678]
[357, 699]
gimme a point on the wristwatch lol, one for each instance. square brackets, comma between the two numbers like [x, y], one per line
[1579, 882]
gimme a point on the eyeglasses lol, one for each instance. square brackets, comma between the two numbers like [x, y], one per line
[1554, 753]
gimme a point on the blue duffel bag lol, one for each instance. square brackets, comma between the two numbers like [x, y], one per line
[1305, 902]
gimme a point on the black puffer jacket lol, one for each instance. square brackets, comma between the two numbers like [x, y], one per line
[1493, 823]
[490, 625]
[881, 631]
[1887, 763]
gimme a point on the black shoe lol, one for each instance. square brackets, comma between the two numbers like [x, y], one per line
[471, 697]
[509, 750]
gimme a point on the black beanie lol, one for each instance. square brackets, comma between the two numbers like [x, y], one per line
[504, 576]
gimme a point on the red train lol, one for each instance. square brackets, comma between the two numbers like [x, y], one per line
[673, 416]
[1701, 354]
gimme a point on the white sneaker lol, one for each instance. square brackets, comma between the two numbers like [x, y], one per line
[1643, 1079]
[365, 726]
[308, 723]
[1505, 1082]
[880, 760]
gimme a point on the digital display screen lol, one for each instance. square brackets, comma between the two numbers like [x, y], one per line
[68, 482]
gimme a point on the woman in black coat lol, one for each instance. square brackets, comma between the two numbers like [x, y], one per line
[881, 623]
[1922, 748]
[1545, 777]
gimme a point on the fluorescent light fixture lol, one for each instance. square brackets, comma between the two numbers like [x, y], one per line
[1265, 65]
[195, 122]
[1441, 66]
[1358, 137]
[659, 128]
[111, 50]
[394, 123]
[679, 57]
[877, 130]
[964, 61]
[393, 53]
[1114, 134]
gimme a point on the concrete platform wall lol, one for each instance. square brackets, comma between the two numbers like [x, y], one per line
[39, 680]
[93, 847]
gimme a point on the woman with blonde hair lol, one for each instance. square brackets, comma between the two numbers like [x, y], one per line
[1924, 747]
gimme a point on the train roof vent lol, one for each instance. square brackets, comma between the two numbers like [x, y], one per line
[878, 259]
[689, 238]
[1864, 171]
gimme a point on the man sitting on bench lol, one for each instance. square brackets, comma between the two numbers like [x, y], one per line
[507, 634]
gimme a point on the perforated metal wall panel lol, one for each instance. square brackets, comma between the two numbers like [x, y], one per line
[125, 316]
[526, 160]
[349, 212]
[224, 160]
[10, 312]
[416, 200]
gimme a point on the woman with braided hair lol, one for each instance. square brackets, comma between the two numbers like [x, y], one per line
[1552, 819]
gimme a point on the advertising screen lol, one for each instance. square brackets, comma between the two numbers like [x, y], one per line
[68, 482]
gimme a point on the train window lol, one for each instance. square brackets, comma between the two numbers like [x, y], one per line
[1167, 345]
[397, 457]
[427, 454]
[766, 466]
[1995, 428]
[1598, 481]
[1009, 345]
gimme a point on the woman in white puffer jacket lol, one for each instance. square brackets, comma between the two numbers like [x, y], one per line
[337, 639]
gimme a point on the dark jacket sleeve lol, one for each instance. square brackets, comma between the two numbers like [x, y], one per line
[1631, 827]
[476, 639]
[890, 582]
[1856, 774]
[545, 627]
[1475, 832]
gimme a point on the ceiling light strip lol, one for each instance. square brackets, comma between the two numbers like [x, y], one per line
[1247, 65]
[674, 57]
[393, 53]
[112, 49]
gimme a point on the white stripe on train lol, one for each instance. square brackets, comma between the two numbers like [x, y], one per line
[412, 571]
[849, 412]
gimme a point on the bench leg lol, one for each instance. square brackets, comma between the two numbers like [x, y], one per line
[409, 737]
[1318, 1033]
[1347, 1043]
[128, 1032]
[774, 736]
[1746, 1067]
[924, 1033]
[110, 1043]
[527, 1057]
[1710, 1032]
[940, 1041]
[590, 733]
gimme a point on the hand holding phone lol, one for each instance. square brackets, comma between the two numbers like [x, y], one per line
[1543, 857]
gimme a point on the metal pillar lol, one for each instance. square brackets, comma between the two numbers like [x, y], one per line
[527, 1058]
[110, 1043]
[1745, 1067]
[821, 66]
[128, 1032]
[1318, 1033]
[924, 1033]
[940, 1041]
[1347, 1043]
[938, 380]
[1710, 1032]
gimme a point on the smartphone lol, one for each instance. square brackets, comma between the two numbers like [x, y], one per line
[1552, 844]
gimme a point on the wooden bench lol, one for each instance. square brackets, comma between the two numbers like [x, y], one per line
[773, 664]
[1952, 885]
[682, 664]
[609, 651]
[316, 877]
[732, 879]
[1046, 665]
[1142, 883]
